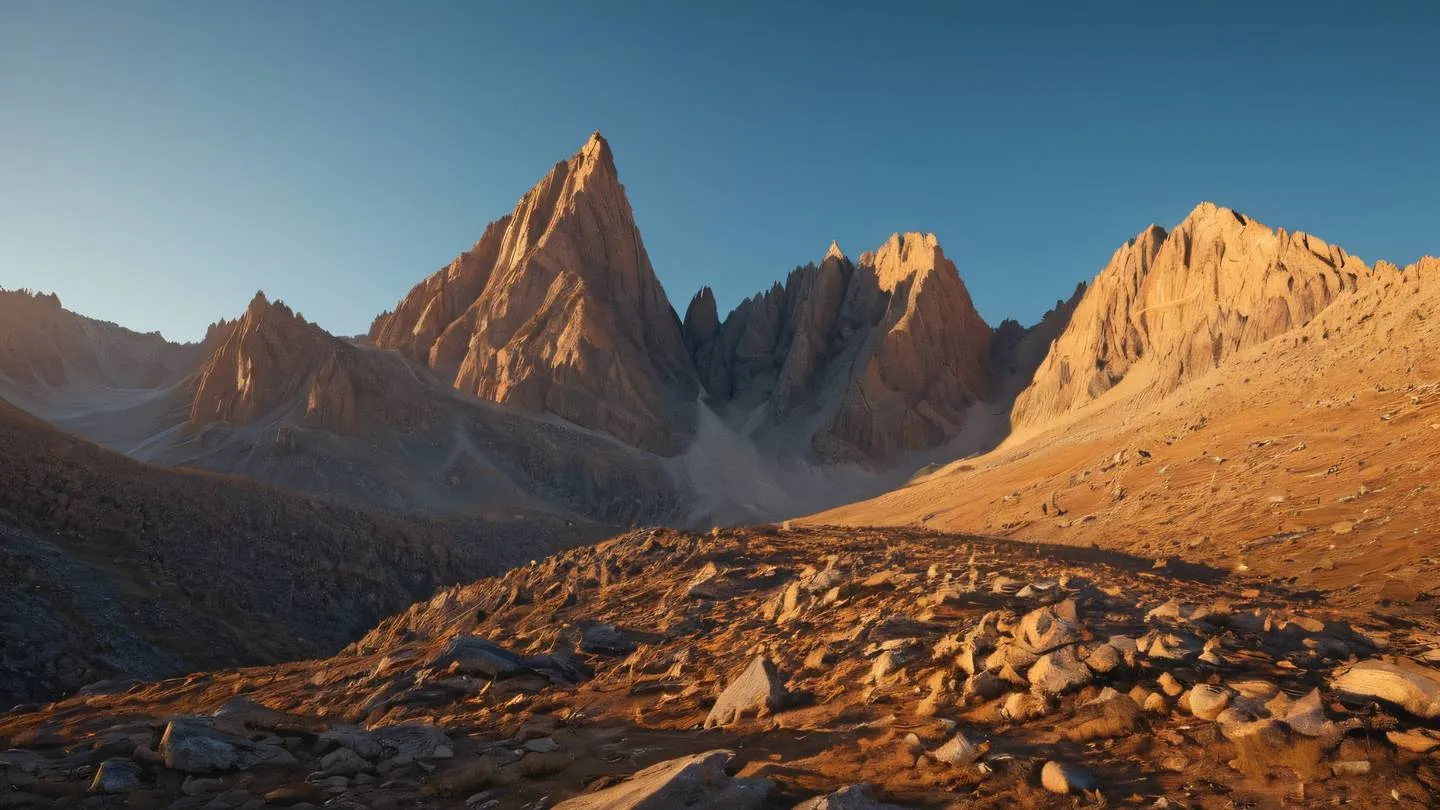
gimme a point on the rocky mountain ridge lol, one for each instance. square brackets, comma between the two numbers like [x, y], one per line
[574, 380]
[870, 359]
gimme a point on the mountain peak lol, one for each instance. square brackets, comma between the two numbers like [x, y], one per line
[834, 252]
[905, 255]
[1219, 283]
[557, 308]
[596, 151]
[1208, 211]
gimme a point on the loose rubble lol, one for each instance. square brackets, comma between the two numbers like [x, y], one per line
[770, 668]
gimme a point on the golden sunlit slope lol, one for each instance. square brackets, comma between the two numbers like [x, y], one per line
[1310, 454]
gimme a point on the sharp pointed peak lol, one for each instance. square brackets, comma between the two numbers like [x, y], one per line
[835, 252]
[596, 149]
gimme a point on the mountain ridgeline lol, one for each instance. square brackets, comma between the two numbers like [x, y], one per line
[544, 371]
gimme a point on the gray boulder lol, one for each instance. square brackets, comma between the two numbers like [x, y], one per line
[116, 775]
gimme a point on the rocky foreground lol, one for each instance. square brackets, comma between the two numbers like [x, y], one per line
[816, 668]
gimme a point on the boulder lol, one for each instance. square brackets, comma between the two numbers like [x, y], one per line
[959, 750]
[343, 762]
[473, 655]
[1206, 701]
[1059, 671]
[1023, 706]
[194, 745]
[1063, 777]
[1044, 629]
[116, 775]
[758, 690]
[1403, 682]
[696, 782]
[605, 639]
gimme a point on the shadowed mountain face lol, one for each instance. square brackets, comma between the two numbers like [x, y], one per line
[120, 568]
[863, 362]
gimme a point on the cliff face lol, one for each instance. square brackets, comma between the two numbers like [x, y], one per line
[870, 359]
[557, 309]
[1174, 306]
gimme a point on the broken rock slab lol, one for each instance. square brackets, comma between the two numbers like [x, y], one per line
[1404, 682]
[194, 745]
[116, 775]
[473, 655]
[696, 782]
[759, 689]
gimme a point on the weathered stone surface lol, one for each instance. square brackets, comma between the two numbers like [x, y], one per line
[1064, 777]
[1404, 682]
[1059, 671]
[1043, 629]
[698, 782]
[1206, 701]
[194, 745]
[959, 750]
[1104, 658]
[116, 775]
[759, 689]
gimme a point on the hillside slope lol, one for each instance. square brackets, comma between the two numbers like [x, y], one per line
[124, 569]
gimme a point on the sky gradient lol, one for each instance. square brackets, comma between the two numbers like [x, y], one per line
[159, 162]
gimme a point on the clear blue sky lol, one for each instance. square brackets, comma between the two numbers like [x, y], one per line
[159, 162]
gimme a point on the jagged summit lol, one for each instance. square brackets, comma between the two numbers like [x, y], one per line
[857, 361]
[597, 149]
[1178, 304]
[558, 309]
[834, 253]
[261, 364]
[905, 255]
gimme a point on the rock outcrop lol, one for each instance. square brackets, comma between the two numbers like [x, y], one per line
[557, 309]
[1176, 305]
[864, 360]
